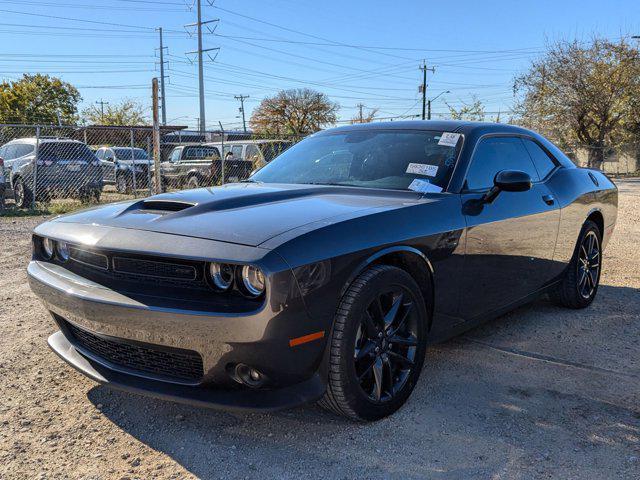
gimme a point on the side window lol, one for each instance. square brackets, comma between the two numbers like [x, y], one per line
[175, 155]
[253, 152]
[20, 150]
[237, 151]
[494, 154]
[10, 152]
[108, 155]
[544, 164]
[100, 153]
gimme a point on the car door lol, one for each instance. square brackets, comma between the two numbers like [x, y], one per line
[509, 242]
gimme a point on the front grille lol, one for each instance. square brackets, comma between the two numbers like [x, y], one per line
[185, 365]
[150, 268]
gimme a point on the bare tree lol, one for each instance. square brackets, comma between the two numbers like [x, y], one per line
[364, 116]
[582, 94]
[298, 111]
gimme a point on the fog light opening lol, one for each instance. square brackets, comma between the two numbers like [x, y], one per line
[249, 376]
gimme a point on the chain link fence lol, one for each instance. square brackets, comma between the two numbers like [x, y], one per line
[61, 168]
[618, 161]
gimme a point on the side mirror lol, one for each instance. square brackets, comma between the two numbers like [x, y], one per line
[508, 181]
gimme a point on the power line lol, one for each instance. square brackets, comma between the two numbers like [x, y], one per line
[302, 33]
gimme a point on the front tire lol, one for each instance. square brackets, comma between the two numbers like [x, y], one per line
[579, 284]
[193, 182]
[377, 345]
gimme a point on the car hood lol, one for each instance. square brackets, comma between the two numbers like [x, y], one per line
[242, 213]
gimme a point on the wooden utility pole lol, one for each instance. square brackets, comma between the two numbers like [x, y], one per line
[424, 69]
[156, 137]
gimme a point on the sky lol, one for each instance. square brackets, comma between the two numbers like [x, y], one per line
[355, 51]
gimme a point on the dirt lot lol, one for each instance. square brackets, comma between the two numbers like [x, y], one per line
[540, 393]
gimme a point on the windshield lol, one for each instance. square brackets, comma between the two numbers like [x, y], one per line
[271, 150]
[125, 153]
[392, 159]
[53, 151]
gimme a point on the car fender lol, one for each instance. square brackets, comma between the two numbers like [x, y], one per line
[381, 253]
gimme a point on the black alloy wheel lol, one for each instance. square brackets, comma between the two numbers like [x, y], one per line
[377, 345]
[579, 284]
[386, 344]
[588, 265]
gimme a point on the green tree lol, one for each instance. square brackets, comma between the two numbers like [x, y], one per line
[38, 99]
[583, 94]
[298, 111]
[473, 111]
[127, 112]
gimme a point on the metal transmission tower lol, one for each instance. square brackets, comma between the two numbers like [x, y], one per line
[423, 87]
[163, 101]
[200, 51]
[242, 99]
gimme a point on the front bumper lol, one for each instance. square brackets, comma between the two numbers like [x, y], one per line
[258, 338]
[231, 400]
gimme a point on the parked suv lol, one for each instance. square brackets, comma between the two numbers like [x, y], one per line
[61, 166]
[119, 165]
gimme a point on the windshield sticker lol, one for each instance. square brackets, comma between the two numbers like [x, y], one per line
[422, 169]
[424, 186]
[449, 139]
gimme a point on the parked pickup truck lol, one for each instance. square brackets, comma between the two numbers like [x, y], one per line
[194, 166]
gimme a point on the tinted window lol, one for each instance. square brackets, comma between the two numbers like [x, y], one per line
[495, 154]
[392, 159]
[201, 152]
[271, 150]
[52, 151]
[125, 153]
[541, 160]
[100, 153]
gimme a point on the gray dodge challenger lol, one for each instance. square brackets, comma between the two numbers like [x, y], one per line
[325, 275]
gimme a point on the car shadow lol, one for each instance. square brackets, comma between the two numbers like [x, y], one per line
[522, 383]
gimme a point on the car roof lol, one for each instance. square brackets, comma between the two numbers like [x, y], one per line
[458, 126]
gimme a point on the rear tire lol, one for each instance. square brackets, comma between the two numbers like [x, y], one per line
[22, 194]
[377, 345]
[580, 281]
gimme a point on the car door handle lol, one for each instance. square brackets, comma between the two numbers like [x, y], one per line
[548, 199]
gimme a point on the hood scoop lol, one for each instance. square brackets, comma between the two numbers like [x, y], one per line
[159, 206]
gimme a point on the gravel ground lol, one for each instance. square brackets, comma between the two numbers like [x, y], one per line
[540, 393]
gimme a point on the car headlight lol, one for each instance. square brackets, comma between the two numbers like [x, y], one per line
[221, 275]
[63, 251]
[48, 247]
[253, 280]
